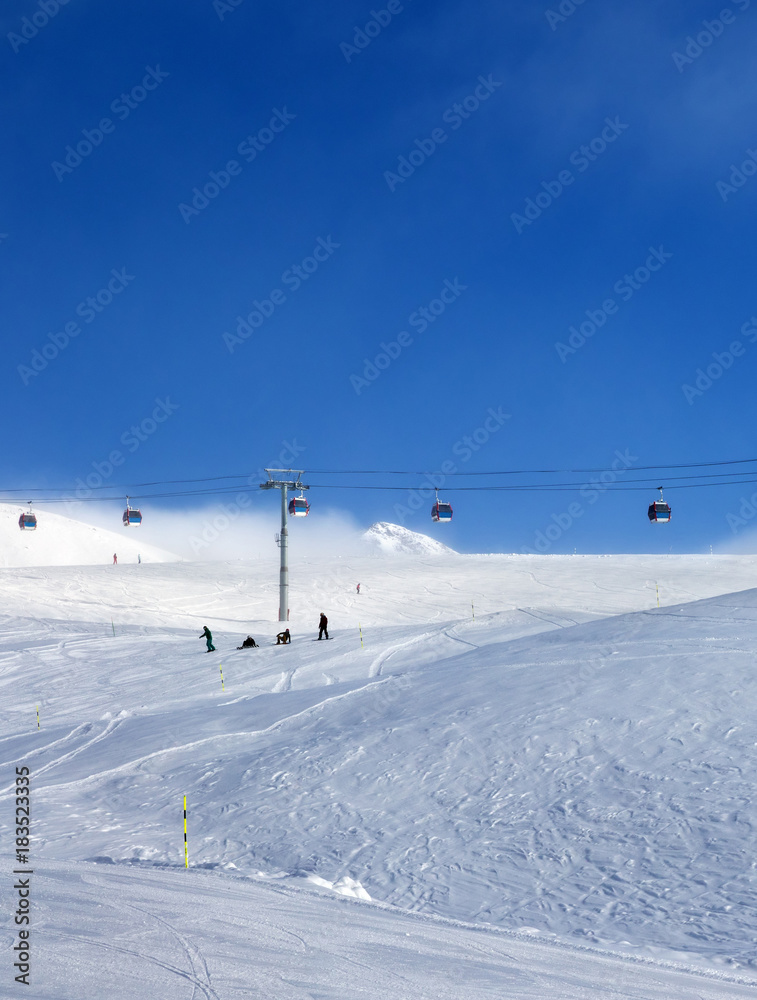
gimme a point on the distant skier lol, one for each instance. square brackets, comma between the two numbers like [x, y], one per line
[323, 626]
[139, 558]
[248, 643]
[358, 588]
[283, 638]
[115, 558]
[207, 634]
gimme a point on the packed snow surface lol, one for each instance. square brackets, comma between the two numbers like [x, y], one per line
[517, 778]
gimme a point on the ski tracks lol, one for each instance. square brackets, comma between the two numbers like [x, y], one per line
[284, 684]
[198, 973]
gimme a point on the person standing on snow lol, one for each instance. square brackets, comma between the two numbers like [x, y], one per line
[358, 588]
[323, 626]
[115, 558]
[207, 634]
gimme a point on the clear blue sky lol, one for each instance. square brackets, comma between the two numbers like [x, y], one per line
[309, 125]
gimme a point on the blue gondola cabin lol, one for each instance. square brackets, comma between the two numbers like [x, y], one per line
[132, 517]
[299, 507]
[441, 511]
[659, 512]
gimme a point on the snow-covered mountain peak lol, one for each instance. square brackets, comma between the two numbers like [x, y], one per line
[393, 539]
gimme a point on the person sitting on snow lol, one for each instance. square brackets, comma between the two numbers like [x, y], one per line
[283, 637]
[248, 643]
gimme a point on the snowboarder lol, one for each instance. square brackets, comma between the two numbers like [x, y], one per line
[207, 634]
[115, 558]
[323, 626]
[283, 638]
[358, 588]
[248, 643]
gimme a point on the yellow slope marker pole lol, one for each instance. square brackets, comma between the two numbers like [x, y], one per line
[361, 635]
[220, 667]
[113, 626]
[186, 849]
[37, 716]
[657, 591]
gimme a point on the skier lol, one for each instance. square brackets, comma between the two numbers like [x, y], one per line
[358, 588]
[323, 626]
[283, 638]
[115, 558]
[248, 643]
[207, 634]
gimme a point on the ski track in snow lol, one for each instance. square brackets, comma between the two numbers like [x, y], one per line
[543, 767]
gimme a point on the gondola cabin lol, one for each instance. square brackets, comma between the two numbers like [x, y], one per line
[132, 517]
[441, 511]
[659, 512]
[27, 522]
[299, 507]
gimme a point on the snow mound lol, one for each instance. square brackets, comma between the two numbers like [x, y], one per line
[393, 539]
[345, 886]
[63, 541]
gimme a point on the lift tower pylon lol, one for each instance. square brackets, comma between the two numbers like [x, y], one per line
[284, 485]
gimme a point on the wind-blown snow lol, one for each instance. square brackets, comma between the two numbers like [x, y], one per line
[552, 799]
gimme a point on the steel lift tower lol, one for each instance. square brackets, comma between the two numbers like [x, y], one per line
[284, 485]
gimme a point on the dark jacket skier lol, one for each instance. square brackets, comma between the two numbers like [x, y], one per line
[323, 626]
[248, 643]
[207, 634]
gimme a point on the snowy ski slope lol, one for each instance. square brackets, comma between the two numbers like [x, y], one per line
[552, 799]
[63, 541]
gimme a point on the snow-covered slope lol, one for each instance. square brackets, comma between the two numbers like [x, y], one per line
[393, 539]
[63, 541]
[548, 770]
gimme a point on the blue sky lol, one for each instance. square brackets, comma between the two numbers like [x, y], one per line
[257, 156]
